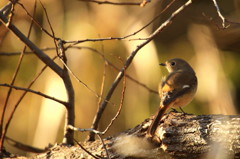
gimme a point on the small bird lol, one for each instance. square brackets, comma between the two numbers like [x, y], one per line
[177, 89]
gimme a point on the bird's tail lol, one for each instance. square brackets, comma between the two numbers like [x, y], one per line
[152, 128]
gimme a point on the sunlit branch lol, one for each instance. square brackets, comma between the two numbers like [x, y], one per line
[41, 55]
[120, 105]
[112, 3]
[220, 14]
[4, 132]
[34, 92]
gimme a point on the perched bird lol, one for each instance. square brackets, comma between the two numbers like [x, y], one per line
[177, 89]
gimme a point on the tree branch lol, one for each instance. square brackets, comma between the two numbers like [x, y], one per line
[4, 132]
[35, 92]
[70, 114]
[39, 53]
[112, 3]
[220, 15]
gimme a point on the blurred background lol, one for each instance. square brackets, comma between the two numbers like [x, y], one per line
[195, 35]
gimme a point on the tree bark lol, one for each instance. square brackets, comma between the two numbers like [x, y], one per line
[179, 136]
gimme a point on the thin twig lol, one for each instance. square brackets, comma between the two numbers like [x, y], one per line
[51, 28]
[80, 81]
[107, 62]
[104, 146]
[84, 84]
[41, 55]
[220, 15]
[120, 105]
[232, 22]
[36, 22]
[75, 42]
[78, 41]
[88, 152]
[33, 81]
[98, 133]
[24, 93]
[103, 76]
[112, 3]
[84, 130]
[26, 52]
[3, 132]
[129, 61]
[14, 53]
[70, 113]
[154, 19]
[34, 92]
[116, 68]
[213, 21]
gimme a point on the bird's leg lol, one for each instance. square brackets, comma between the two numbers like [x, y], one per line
[182, 110]
[174, 110]
[184, 113]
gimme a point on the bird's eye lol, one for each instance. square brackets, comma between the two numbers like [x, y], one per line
[173, 63]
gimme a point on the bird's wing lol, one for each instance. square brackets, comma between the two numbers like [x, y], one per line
[168, 97]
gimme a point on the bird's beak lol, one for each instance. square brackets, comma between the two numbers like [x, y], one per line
[162, 64]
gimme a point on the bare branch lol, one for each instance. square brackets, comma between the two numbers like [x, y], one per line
[41, 55]
[220, 15]
[98, 133]
[12, 82]
[26, 52]
[33, 81]
[14, 53]
[104, 146]
[84, 84]
[50, 25]
[84, 130]
[75, 42]
[88, 152]
[116, 68]
[120, 105]
[36, 22]
[70, 114]
[23, 95]
[112, 3]
[35, 92]
[25, 147]
[103, 76]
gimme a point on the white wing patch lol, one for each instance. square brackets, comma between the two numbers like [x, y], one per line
[185, 86]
